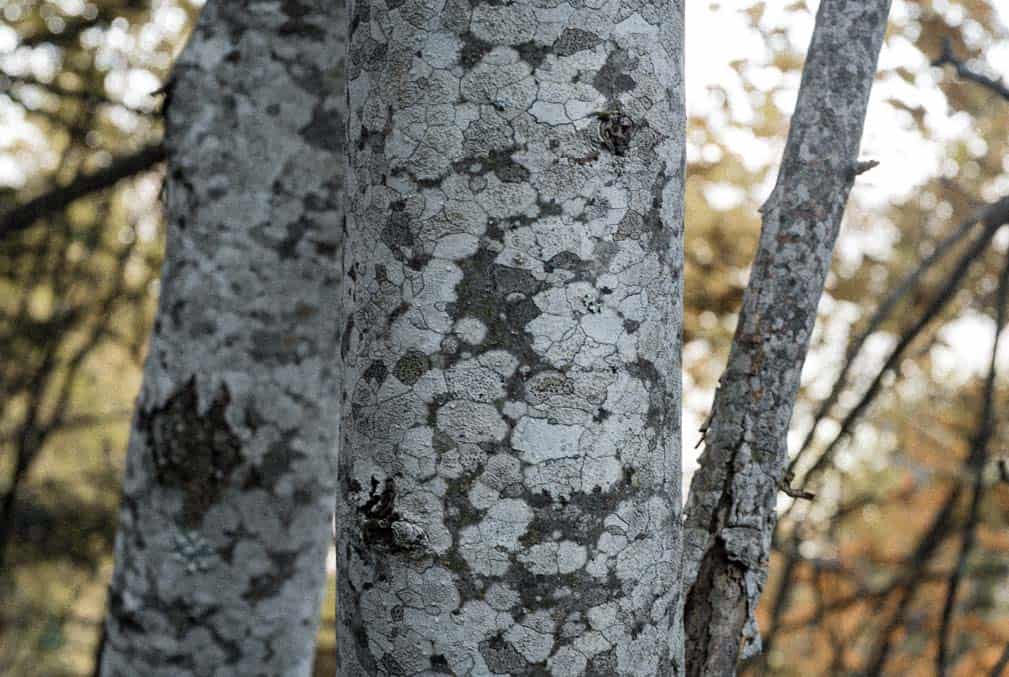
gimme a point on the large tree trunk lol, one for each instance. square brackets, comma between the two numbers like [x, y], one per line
[730, 511]
[510, 470]
[231, 465]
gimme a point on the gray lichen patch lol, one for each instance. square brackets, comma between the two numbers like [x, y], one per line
[194, 452]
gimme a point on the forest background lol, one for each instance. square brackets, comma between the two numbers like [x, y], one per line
[904, 551]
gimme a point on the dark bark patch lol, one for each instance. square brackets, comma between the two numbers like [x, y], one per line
[532, 52]
[602, 664]
[346, 337]
[276, 463]
[392, 665]
[297, 24]
[514, 280]
[473, 50]
[382, 528]
[274, 347]
[498, 161]
[266, 585]
[376, 372]
[615, 132]
[574, 40]
[411, 367]
[192, 452]
[612, 79]
[502, 657]
[397, 231]
[714, 614]
[128, 621]
[500, 297]
[325, 130]
[567, 261]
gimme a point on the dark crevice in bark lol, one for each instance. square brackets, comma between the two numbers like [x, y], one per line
[192, 452]
[719, 594]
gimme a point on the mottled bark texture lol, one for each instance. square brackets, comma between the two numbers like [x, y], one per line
[230, 476]
[510, 475]
[730, 509]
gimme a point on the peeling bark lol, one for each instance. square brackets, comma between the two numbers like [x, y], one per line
[231, 468]
[509, 475]
[730, 509]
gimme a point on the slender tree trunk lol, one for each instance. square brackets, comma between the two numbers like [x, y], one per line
[730, 510]
[231, 466]
[510, 471]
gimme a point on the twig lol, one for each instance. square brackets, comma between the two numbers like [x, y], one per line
[967, 73]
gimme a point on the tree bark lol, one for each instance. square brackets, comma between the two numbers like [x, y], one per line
[510, 470]
[231, 466]
[730, 509]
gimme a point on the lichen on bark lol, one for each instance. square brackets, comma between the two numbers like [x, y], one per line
[510, 467]
[231, 467]
[730, 508]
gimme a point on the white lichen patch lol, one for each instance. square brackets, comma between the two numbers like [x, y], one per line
[488, 545]
[539, 440]
[465, 421]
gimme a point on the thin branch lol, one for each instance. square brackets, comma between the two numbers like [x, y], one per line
[74, 26]
[967, 73]
[919, 559]
[6, 80]
[977, 459]
[23, 216]
[730, 509]
[33, 432]
[881, 315]
[994, 218]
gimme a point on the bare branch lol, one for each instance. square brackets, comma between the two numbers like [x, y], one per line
[863, 166]
[962, 70]
[995, 216]
[74, 26]
[923, 552]
[883, 313]
[977, 459]
[6, 80]
[23, 216]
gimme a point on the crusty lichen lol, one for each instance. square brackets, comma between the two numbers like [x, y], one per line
[515, 274]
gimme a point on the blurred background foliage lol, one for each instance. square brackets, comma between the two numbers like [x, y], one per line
[900, 563]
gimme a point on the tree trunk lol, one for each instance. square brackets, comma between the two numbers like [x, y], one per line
[231, 466]
[730, 510]
[510, 474]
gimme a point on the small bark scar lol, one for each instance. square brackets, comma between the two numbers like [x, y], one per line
[385, 529]
[193, 452]
[615, 131]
